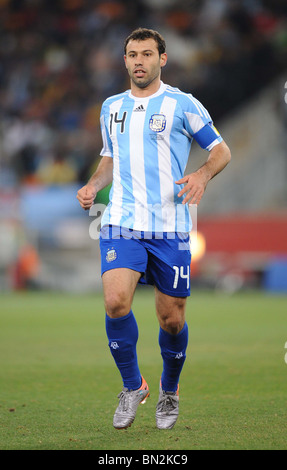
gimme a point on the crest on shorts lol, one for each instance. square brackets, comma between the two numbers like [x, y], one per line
[111, 255]
[157, 122]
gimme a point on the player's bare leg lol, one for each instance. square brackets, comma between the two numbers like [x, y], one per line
[119, 287]
[170, 312]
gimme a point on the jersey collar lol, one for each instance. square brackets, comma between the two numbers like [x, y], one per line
[161, 90]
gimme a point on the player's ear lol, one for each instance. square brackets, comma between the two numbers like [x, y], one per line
[163, 59]
[125, 59]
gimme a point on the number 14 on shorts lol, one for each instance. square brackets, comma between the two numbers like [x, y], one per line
[179, 273]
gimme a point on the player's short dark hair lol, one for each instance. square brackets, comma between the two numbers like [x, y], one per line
[140, 34]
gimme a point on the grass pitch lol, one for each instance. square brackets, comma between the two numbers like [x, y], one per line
[59, 385]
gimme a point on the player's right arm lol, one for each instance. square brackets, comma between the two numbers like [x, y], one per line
[99, 180]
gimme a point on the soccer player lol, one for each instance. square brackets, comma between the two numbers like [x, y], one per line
[147, 133]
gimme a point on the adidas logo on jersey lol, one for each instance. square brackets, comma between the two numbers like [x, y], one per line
[140, 108]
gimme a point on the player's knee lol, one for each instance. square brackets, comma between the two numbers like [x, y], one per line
[116, 304]
[173, 324]
[172, 315]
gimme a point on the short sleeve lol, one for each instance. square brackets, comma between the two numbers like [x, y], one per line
[199, 125]
[107, 149]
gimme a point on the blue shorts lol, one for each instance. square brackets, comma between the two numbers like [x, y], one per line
[162, 259]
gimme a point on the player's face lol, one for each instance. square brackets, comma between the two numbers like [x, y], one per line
[143, 62]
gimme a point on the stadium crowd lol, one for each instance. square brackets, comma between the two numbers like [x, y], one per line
[60, 59]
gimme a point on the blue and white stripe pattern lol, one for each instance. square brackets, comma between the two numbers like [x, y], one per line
[149, 140]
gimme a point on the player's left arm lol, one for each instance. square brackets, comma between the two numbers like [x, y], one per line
[196, 182]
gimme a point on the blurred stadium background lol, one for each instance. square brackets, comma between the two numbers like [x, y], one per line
[60, 59]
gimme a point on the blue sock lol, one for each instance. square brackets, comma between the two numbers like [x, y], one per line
[123, 336]
[173, 351]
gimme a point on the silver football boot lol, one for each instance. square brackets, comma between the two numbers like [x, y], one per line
[167, 409]
[129, 401]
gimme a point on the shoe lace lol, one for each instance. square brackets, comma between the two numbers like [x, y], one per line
[124, 400]
[168, 403]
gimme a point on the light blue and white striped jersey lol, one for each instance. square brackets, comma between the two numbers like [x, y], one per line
[149, 140]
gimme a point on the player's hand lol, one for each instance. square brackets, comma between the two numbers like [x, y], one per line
[86, 196]
[195, 184]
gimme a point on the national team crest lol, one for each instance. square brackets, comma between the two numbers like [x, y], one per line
[111, 255]
[157, 122]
